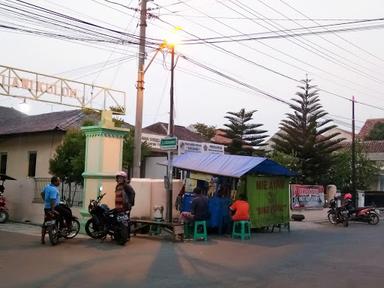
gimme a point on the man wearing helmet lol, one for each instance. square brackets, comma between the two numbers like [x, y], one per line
[124, 193]
[348, 203]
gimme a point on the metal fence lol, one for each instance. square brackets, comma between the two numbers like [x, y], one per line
[73, 193]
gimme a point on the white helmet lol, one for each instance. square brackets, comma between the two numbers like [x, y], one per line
[122, 174]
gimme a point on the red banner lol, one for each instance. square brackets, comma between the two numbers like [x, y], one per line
[307, 196]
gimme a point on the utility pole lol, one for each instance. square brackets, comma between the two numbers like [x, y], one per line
[353, 179]
[140, 92]
[171, 128]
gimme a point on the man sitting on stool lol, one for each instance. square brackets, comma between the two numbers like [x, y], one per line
[240, 209]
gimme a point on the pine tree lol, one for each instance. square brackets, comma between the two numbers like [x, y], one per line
[304, 134]
[246, 138]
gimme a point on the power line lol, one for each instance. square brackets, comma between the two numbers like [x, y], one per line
[345, 98]
[311, 48]
[329, 51]
[349, 42]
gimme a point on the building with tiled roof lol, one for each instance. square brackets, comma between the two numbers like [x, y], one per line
[368, 126]
[181, 132]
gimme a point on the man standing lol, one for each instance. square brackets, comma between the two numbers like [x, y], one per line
[124, 193]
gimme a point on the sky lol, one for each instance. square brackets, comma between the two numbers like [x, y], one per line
[341, 64]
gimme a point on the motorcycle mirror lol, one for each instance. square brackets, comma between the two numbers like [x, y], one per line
[101, 189]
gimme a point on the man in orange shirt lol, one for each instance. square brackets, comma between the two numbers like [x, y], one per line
[240, 209]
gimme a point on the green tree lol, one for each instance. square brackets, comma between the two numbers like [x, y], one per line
[377, 132]
[246, 138]
[341, 171]
[128, 145]
[204, 130]
[304, 134]
[68, 162]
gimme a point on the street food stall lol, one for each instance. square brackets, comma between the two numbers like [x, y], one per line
[223, 177]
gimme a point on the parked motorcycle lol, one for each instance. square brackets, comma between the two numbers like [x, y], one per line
[3, 208]
[105, 221]
[366, 214]
[338, 215]
[4, 215]
[55, 229]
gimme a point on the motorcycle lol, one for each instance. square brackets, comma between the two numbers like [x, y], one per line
[366, 214]
[105, 221]
[4, 215]
[338, 215]
[3, 209]
[56, 230]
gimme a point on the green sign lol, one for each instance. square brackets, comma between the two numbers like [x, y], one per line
[168, 143]
[268, 199]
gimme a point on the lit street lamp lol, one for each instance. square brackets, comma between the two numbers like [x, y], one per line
[170, 43]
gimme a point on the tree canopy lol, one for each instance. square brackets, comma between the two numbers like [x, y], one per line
[306, 137]
[377, 132]
[246, 138]
[204, 130]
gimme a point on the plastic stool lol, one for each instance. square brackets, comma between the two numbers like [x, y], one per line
[200, 235]
[155, 229]
[244, 227]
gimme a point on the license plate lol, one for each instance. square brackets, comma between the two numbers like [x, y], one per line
[51, 222]
[122, 218]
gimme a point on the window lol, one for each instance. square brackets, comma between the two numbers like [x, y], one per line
[32, 164]
[3, 163]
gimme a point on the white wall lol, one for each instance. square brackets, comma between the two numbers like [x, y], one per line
[154, 170]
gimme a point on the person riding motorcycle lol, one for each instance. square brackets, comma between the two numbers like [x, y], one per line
[124, 193]
[51, 198]
[348, 204]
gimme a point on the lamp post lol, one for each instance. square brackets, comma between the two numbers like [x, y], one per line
[170, 134]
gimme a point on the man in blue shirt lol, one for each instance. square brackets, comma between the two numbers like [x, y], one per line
[51, 197]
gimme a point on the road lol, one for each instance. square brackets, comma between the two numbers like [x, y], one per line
[311, 255]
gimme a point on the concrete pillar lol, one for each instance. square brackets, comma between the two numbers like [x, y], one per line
[331, 192]
[103, 158]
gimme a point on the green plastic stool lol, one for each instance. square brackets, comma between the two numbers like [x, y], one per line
[200, 235]
[155, 229]
[244, 227]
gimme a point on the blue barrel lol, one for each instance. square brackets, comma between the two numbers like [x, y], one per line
[187, 202]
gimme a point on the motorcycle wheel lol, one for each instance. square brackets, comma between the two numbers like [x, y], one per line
[75, 229]
[53, 233]
[332, 218]
[92, 231]
[373, 219]
[121, 234]
[4, 216]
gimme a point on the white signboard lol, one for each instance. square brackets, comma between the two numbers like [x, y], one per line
[153, 141]
[199, 147]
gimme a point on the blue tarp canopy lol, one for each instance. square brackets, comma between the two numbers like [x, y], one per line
[229, 165]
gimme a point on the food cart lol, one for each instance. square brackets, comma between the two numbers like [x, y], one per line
[265, 182]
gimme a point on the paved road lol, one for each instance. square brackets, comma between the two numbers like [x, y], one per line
[311, 255]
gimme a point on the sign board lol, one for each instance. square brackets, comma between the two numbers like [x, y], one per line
[152, 140]
[268, 199]
[199, 147]
[307, 196]
[26, 84]
[168, 143]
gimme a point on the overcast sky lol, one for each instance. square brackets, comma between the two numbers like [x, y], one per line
[347, 64]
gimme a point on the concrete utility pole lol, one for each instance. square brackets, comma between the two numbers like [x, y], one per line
[140, 92]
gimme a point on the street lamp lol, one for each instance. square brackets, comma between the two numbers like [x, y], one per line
[170, 43]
